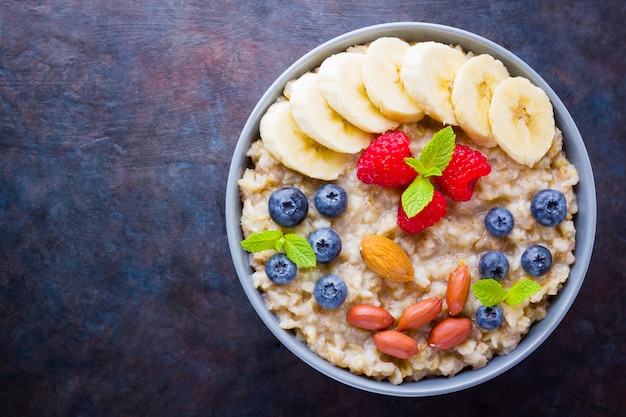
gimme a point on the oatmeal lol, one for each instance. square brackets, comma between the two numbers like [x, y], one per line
[460, 237]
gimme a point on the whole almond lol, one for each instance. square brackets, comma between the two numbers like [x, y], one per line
[416, 315]
[369, 317]
[449, 332]
[458, 289]
[387, 258]
[396, 344]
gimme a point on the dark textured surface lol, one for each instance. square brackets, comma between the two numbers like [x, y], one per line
[117, 122]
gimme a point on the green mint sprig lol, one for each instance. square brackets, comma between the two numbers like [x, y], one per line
[490, 292]
[433, 159]
[417, 196]
[297, 248]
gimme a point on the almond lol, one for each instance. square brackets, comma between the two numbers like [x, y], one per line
[387, 258]
[369, 317]
[396, 344]
[449, 332]
[420, 313]
[458, 288]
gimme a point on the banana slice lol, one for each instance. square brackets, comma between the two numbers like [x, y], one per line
[428, 73]
[471, 96]
[522, 120]
[319, 121]
[341, 83]
[381, 77]
[293, 148]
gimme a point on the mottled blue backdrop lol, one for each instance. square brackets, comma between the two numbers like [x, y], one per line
[117, 123]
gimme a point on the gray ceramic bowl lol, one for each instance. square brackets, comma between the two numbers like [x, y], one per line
[585, 220]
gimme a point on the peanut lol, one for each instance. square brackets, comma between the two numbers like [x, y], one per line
[459, 282]
[369, 317]
[396, 344]
[420, 313]
[449, 332]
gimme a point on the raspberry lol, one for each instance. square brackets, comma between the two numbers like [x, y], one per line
[429, 215]
[458, 179]
[383, 164]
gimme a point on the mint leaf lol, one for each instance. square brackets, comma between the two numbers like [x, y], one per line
[417, 196]
[434, 158]
[279, 243]
[437, 153]
[432, 171]
[258, 242]
[417, 165]
[521, 291]
[489, 292]
[299, 250]
[296, 247]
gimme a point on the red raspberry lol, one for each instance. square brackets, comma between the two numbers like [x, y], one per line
[429, 215]
[383, 164]
[458, 179]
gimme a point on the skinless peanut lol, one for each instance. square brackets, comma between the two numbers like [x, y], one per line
[458, 289]
[420, 313]
[369, 317]
[449, 332]
[387, 258]
[396, 344]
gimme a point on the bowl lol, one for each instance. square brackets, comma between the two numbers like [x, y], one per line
[585, 219]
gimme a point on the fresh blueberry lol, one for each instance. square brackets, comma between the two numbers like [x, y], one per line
[499, 222]
[536, 260]
[325, 243]
[288, 206]
[330, 200]
[489, 318]
[548, 207]
[279, 269]
[330, 291]
[493, 265]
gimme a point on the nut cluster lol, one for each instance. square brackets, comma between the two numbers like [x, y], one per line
[386, 258]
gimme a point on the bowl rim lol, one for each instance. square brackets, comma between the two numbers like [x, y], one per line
[585, 218]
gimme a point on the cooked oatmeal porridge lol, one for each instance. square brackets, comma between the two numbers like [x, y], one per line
[458, 237]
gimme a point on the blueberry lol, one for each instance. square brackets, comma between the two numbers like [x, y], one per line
[330, 291]
[499, 222]
[325, 243]
[489, 318]
[548, 207]
[330, 200]
[288, 206]
[536, 260]
[493, 265]
[279, 269]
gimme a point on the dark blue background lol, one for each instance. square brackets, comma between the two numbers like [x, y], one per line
[117, 123]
